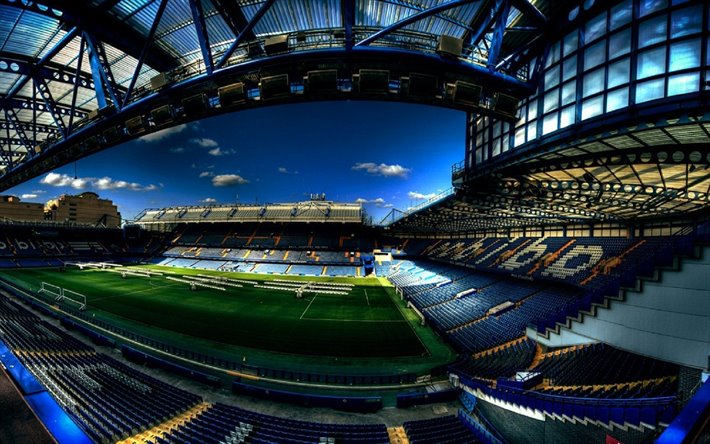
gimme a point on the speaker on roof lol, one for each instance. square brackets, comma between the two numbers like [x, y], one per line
[449, 46]
[136, 125]
[231, 94]
[197, 104]
[274, 86]
[276, 44]
[422, 85]
[162, 115]
[375, 81]
[159, 81]
[111, 135]
[505, 104]
[467, 93]
[323, 81]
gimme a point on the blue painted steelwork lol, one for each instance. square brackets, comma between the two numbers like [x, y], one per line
[690, 420]
[240, 38]
[198, 17]
[494, 52]
[144, 51]
[43, 90]
[104, 83]
[412, 19]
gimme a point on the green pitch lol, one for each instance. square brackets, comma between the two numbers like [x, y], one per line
[368, 325]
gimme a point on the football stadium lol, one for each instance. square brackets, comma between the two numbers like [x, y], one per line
[355, 221]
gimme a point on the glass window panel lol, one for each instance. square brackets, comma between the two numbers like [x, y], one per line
[552, 77]
[685, 55]
[554, 55]
[519, 136]
[552, 100]
[569, 68]
[569, 93]
[650, 90]
[620, 15]
[593, 82]
[592, 107]
[652, 31]
[618, 73]
[570, 43]
[497, 129]
[523, 113]
[617, 99]
[567, 116]
[595, 28]
[683, 83]
[648, 6]
[549, 123]
[686, 21]
[595, 55]
[620, 44]
[532, 110]
[532, 131]
[651, 62]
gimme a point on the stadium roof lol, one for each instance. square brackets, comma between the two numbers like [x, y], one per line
[60, 61]
[309, 211]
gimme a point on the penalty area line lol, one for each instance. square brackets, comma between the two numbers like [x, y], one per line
[368, 299]
[308, 306]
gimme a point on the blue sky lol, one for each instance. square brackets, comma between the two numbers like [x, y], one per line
[387, 155]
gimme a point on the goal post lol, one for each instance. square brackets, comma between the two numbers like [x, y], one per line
[61, 294]
[77, 298]
[52, 290]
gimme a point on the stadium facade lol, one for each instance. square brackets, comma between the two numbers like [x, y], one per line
[558, 292]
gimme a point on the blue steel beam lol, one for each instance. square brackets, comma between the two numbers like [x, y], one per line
[144, 51]
[34, 127]
[529, 10]
[233, 16]
[104, 83]
[245, 32]
[50, 71]
[79, 62]
[413, 19]
[198, 16]
[347, 9]
[498, 33]
[19, 103]
[13, 122]
[96, 20]
[68, 37]
[50, 104]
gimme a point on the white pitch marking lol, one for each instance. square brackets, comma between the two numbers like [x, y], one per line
[309, 306]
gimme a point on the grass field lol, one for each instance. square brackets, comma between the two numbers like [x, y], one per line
[370, 322]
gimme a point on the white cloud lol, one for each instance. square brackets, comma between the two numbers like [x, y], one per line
[414, 195]
[208, 200]
[38, 191]
[382, 169]
[29, 196]
[102, 183]
[163, 134]
[378, 202]
[284, 170]
[206, 174]
[177, 149]
[227, 180]
[220, 152]
[204, 142]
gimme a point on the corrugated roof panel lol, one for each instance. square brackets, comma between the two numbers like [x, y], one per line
[30, 34]
[143, 17]
[8, 16]
[126, 8]
[182, 40]
[6, 81]
[453, 22]
[177, 14]
[69, 55]
[56, 38]
[219, 32]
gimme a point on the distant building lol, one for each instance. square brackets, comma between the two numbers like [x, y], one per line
[13, 209]
[85, 208]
